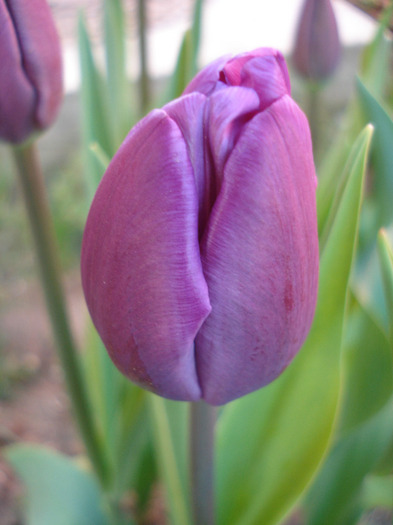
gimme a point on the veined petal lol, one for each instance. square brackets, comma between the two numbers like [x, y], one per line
[260, 257]
[141, 268]
[188, 112]
[228, 111]
[39, 56]
[206, 80]
[265, 76]
[271, 64]
[16, 92]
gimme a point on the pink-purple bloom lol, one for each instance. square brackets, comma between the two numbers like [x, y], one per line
[200, 253]
[30, 69]
[317, 44]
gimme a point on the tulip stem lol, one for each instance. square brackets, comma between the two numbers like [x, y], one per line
[40, 218]
[203, 419]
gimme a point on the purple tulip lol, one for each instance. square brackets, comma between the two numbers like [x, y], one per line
[317, 44]
[200, 253]
[30, 69]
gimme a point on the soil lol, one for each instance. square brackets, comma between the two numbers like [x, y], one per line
[33, 406]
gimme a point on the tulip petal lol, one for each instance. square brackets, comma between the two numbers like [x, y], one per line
[188, 112]
[16, 93]
[260, 257]
[40, 47]
[266, 77]
[268, 58]
[206, 80]
[228, 111]
[141, 268]
[317, 44]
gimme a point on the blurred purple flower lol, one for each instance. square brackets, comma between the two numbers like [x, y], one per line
[200, 253]
[30, 70]
[317, 44]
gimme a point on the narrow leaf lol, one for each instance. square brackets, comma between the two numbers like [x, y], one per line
[118, 85]
[381, 154]
[339, 483]
[186, 66]
[95, 120]
[385, 254]
[170, 438]
[368, 368]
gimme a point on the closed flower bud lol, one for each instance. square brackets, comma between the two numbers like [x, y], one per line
[200, 252]
[317, 44]
[31, 69]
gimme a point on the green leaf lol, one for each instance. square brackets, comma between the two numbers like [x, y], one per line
[375, 66]
[101, 158]
[119, 89]
[381, 155]
[338, 485]
[120, 412]
[279, 435]
[385, 254]
[95, 119]
[375, 73]
[368, 368]
[169, 421]
[103, 381]
[186, 66]
[58, 490]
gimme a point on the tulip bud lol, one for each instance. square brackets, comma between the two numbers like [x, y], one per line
[317, 44]
[200, 252]
[30, 70]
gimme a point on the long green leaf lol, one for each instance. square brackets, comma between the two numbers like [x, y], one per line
[338, 485]
[95, 120]
[263, 470]
[58, 491]
[118, 85]
[374, 74]
[368, 368]
[186, 65]
[381, 154]
[169, 421]
[120, 412]
[385, 254]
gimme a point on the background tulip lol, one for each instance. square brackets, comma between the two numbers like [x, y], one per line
[317, 44]
[200, 253]
[31, 69]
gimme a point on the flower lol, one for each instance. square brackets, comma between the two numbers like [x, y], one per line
[317, 44]
[31, 69]
[200, 252]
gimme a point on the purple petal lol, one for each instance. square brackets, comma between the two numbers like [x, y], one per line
[260, 257]
[228, 111]
[269, 66]
[40, 48]
[317, 45]
[206, 80]
[141, 267]
[16, 93]
[188, 112]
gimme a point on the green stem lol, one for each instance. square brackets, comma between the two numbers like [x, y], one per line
[31, 177]
[203, 418]
[144, 81]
